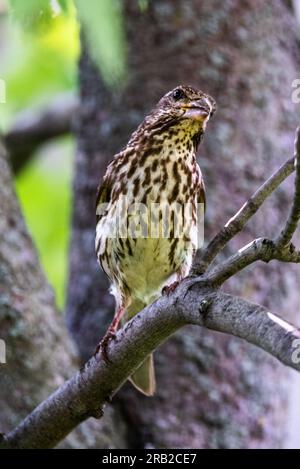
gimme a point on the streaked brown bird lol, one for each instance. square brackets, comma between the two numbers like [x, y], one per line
[157, 168]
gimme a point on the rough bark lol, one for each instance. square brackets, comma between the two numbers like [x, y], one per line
[39, 353]
[194, 302]
[213, 390]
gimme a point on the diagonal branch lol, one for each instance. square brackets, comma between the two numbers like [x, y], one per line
[193, 302]
[204, 258]
[264, 249]
[261, 249]
[287, 233]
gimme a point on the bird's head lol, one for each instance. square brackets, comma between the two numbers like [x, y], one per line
[185, 106]
[185, 102]
[184, 110]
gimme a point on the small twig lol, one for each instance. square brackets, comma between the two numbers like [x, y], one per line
[204, 258]
[261, 249]
[33, 128]
[292, 222]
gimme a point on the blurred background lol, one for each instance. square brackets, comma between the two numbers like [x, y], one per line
[39, 50]
[39, 47]
[71, 101]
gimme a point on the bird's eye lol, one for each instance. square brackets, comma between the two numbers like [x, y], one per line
[178, 94]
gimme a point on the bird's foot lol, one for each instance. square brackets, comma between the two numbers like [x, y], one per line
[102, 346]
[168, 289]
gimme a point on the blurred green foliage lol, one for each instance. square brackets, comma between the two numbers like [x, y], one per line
[39, 46]
[32, 14]
[43, 188]
[38, 63]
[103, 27]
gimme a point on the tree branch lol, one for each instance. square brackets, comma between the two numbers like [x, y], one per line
[287, 233]
[32, 128]
[205, 257]
[193, 302]
[261, 249]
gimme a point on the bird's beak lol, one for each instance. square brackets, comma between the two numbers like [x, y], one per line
[197, 110]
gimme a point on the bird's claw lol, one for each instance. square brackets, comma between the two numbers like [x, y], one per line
[102, 346]
[168, 289]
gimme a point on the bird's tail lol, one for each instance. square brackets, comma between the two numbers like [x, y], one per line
[143, 378]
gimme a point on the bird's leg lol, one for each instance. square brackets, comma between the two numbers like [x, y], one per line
[110, 333]
[168, 289]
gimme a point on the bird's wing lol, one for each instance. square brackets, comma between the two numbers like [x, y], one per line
[202, 194]
[106, 186]
[104, 193]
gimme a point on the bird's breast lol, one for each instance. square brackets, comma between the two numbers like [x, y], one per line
[155, 205]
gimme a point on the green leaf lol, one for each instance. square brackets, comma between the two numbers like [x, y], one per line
[37, 67]
[64, 5]
[32, 14]
[102, 23]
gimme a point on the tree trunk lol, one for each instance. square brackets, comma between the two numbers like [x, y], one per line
[39, 353]
[214, 391]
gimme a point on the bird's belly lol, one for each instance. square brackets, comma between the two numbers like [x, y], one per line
[149, 268]
[151, 263]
